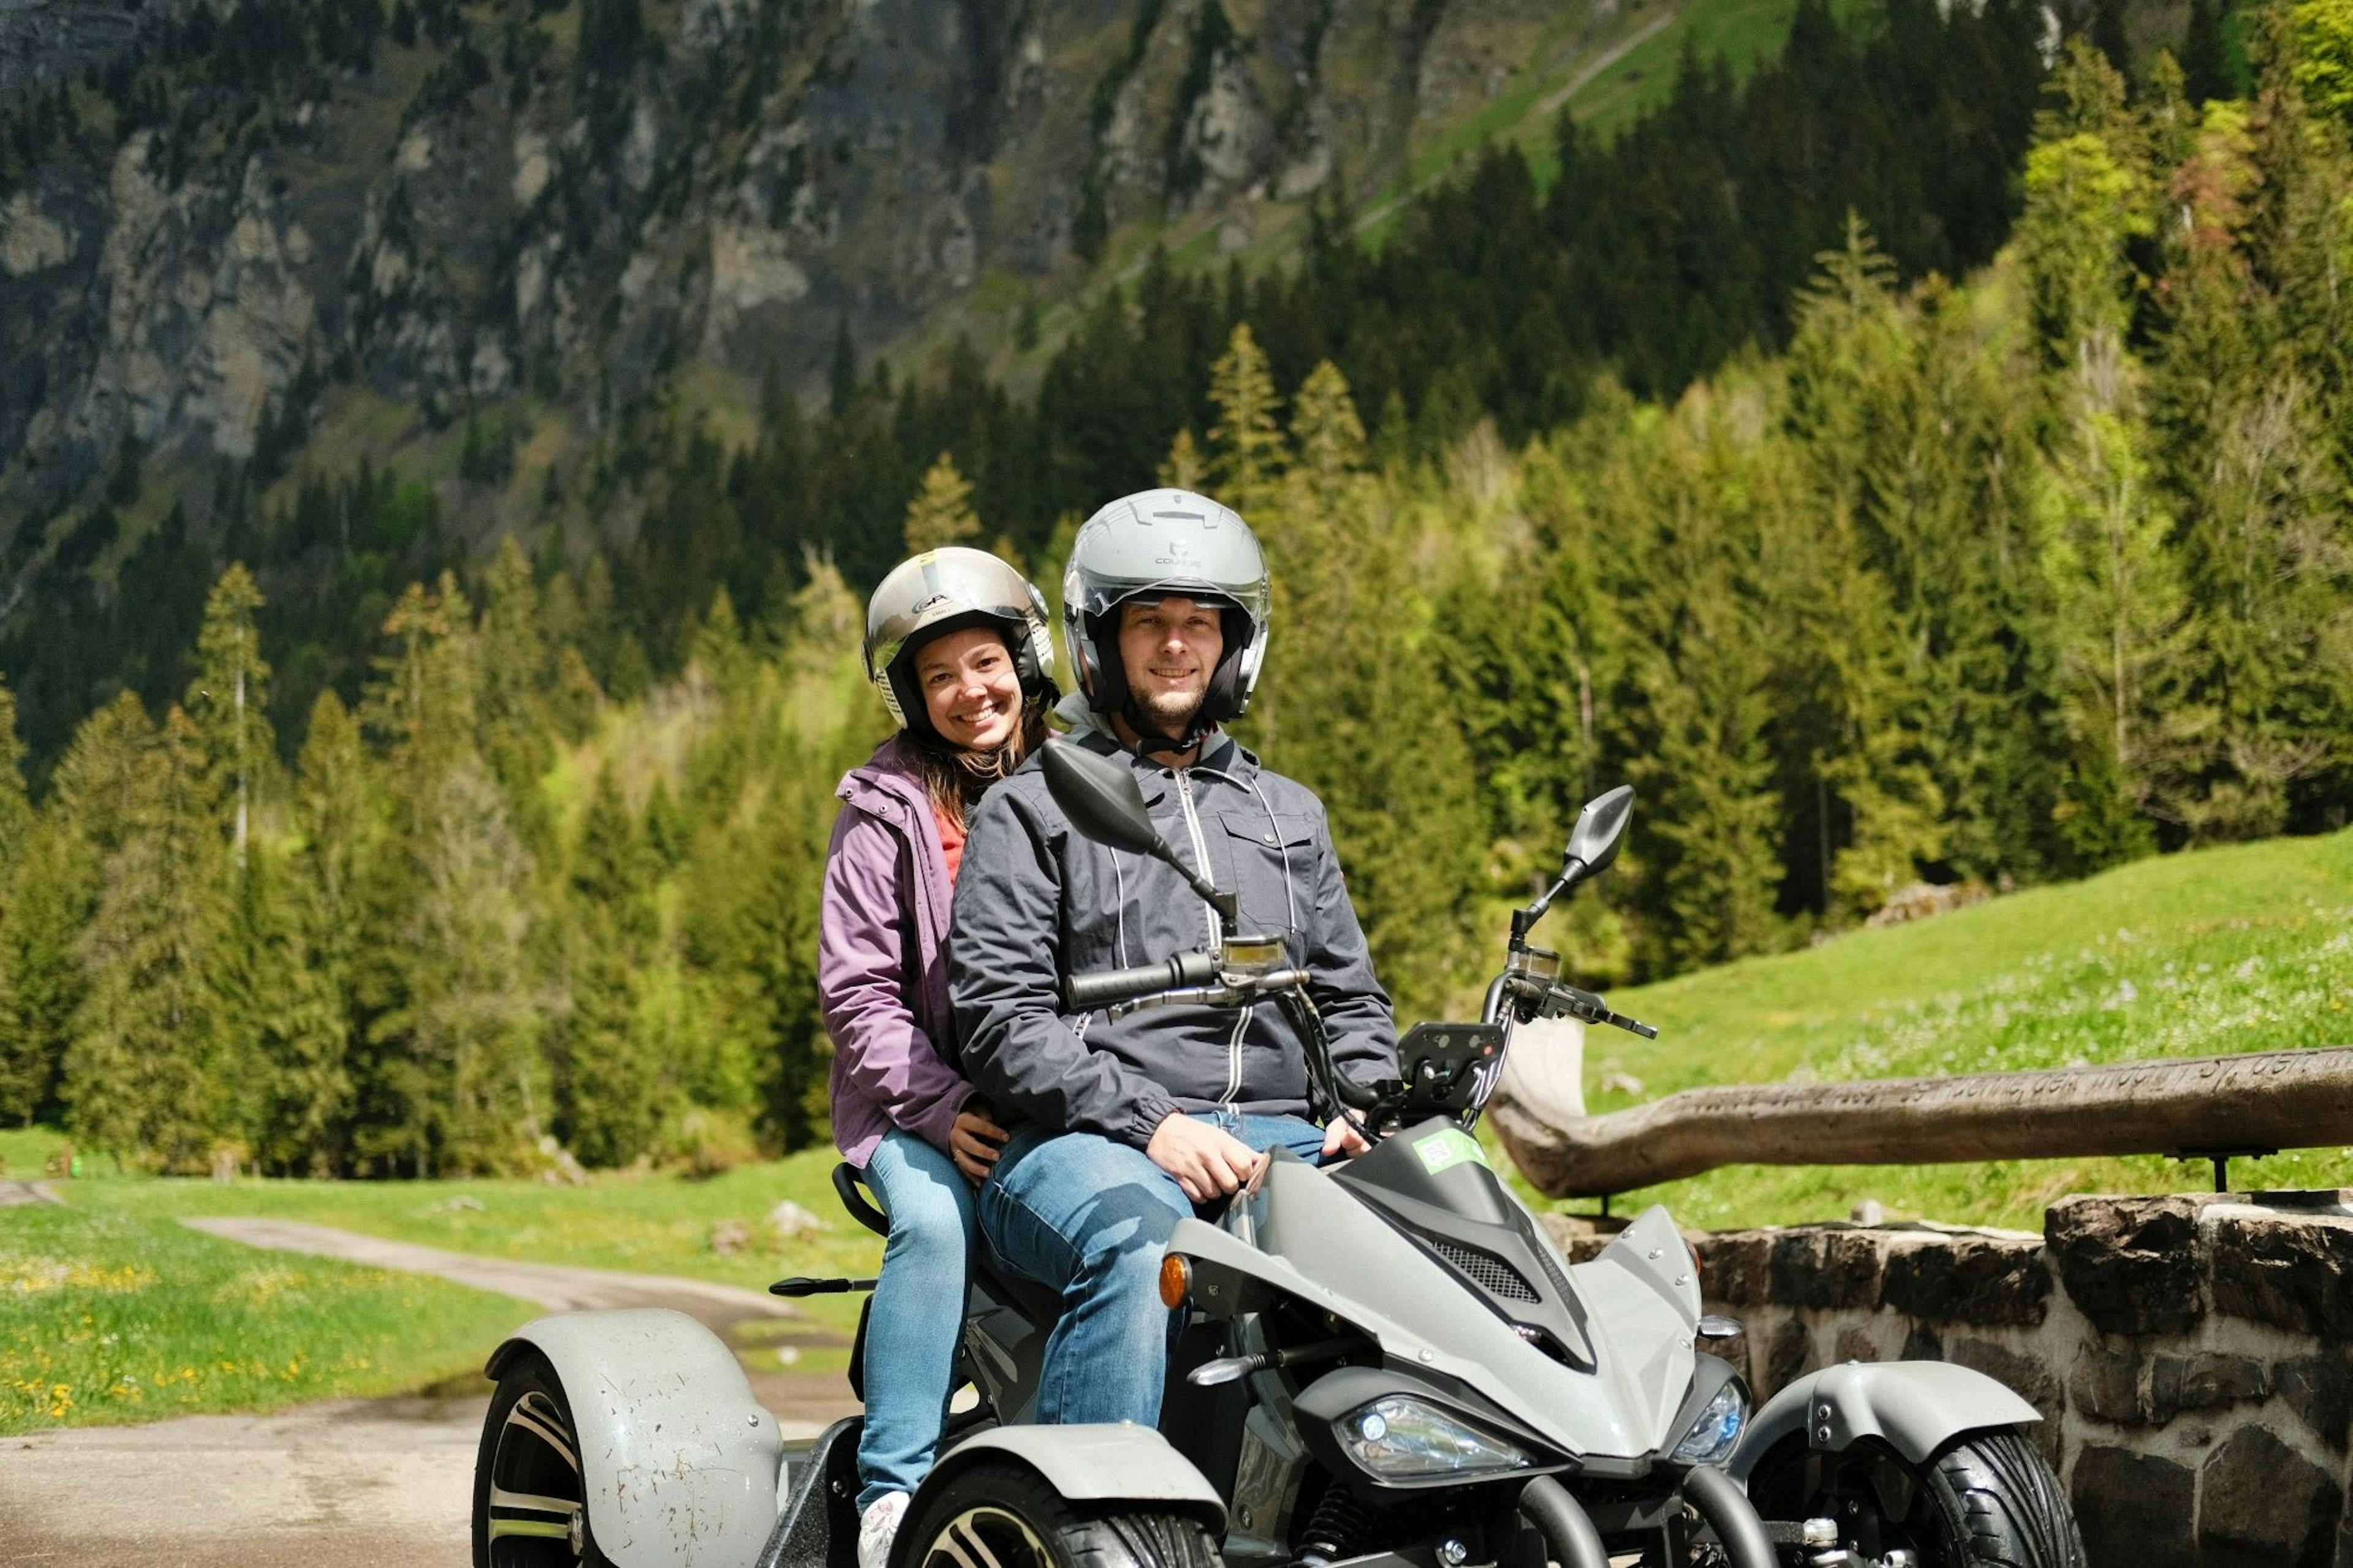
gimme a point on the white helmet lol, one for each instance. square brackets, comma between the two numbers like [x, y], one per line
[1150, 545]
[946, 589]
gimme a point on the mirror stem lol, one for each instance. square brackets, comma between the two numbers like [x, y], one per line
[1525, 921]
[1225, 903]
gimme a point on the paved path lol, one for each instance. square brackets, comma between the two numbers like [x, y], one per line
[349, 1482]
[14, 1194]
[554, 1286]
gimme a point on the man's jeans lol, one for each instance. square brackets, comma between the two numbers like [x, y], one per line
[1090, 1218]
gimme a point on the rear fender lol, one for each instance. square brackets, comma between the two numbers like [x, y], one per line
[680, 1463]
[1914, 1406]
[1112, 1463]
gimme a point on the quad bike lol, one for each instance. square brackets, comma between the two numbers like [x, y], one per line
[1385, 1363]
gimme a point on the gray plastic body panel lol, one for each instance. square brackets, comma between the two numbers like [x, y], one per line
[1916, 1406]
[680, 1462]
[1301, 1233]
[1120, 1462]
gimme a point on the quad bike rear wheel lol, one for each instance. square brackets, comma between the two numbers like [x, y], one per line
[1005, 1515]
[530, 1499]
[1986, 1500]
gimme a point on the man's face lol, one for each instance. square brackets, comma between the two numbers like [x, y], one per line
[1168, 652]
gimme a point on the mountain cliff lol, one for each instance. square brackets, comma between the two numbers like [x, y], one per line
[211, 218]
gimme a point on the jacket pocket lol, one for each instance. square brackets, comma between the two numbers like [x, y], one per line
[1271, 861]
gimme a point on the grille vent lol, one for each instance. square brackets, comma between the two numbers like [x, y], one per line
[1485, 1269]
[1552, 1271]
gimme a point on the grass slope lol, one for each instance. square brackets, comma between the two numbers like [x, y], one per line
[2238, 949]
[109, 1316]
[112, 1312]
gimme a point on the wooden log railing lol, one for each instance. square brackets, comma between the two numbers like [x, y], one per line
[2207, 1107]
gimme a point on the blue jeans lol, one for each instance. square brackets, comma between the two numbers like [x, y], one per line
[1090, 1218]
[917, 1314]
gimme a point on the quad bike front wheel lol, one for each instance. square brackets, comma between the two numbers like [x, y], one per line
[1986, 1500]
[530, 1497]
[1006, 1516]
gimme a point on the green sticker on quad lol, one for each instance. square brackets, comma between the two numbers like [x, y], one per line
[1447, 1148]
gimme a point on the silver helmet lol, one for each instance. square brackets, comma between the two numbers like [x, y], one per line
[1147, 546]
[945, 590]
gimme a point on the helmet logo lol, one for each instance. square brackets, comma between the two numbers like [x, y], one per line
[1180, 554]
[927, 604]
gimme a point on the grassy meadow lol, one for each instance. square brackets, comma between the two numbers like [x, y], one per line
[2236, 948]
[112, 1312]
[110, 1315]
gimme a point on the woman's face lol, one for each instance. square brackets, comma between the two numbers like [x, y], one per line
[970, 688]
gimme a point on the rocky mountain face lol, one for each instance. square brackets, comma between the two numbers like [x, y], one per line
[456, 206]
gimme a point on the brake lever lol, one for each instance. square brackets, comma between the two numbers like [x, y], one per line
[1584, 1004]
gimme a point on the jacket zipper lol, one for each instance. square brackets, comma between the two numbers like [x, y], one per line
[1201, 859]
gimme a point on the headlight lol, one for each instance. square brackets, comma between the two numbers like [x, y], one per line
[1403, 1437]
[1712, 1436]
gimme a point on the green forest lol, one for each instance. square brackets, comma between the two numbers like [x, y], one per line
[1994, 578]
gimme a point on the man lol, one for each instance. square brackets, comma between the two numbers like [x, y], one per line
[1125, 1124]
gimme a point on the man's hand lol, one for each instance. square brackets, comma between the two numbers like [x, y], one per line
[975, 1142]
[1207, 1162]
[1341, 1139]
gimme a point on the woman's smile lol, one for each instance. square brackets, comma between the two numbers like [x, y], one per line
[972, 692]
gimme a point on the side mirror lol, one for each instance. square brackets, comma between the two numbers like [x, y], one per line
[1601, 826]
[1100, 798]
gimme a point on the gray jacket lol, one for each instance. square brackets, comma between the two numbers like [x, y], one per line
[1034, 901]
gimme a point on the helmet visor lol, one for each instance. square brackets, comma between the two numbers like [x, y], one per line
[937, 586]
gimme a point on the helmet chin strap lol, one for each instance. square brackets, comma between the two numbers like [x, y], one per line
[1151, 743]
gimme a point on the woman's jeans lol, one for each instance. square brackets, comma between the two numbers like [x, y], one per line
[1091, 1217]
[918, 1312]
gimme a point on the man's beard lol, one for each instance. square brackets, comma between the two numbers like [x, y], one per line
[1170, 714]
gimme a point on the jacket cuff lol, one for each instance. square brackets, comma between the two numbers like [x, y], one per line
[1143, 1119]
[939, 1118]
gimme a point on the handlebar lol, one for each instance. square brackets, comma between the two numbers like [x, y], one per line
[1556, 998]
[1108, 987]
[1198, 978]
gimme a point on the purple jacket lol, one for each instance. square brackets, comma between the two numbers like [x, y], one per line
[881, 960]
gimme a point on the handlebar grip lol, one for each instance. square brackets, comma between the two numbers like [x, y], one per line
[1107, 987]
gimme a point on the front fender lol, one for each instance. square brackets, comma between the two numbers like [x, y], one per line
[1113, 1462]
[1914, 1407]
[678, 1461]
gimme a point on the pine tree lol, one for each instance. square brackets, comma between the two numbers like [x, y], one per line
[17, 819]
[2083, 204]
[307, 1029]
[454, 1077]
[229, 703]
[40, 974]
[142, 1077]
[609, 1089]
[942, 511]
[1184, 467]
[518, 675]
[2119, 606]
[1698, 670]
[28, 1068]
[1246, 447]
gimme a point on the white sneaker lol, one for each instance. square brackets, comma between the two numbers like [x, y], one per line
[877, 1527]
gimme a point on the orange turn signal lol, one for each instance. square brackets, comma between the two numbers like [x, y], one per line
[1176, 1281]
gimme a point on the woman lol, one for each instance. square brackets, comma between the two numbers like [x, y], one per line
[956, 643]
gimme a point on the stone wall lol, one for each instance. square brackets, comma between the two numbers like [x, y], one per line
[2192, 1356]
